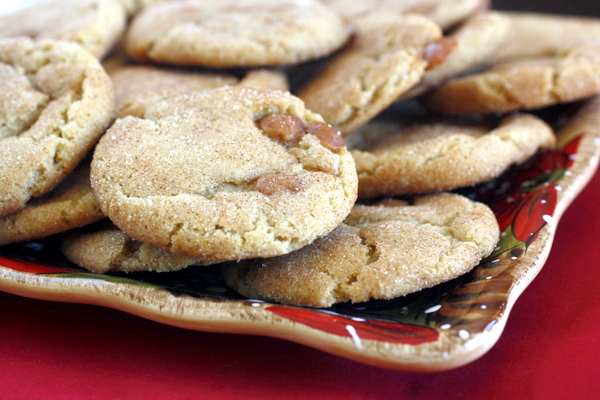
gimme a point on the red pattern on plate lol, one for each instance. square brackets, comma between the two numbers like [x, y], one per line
[32, 267]
[357, 327]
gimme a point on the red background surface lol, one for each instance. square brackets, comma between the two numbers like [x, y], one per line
[550, 348]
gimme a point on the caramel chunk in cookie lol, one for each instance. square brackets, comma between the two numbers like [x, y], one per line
[474, 41]
[198, 176]
[385, 60]
[379, 252]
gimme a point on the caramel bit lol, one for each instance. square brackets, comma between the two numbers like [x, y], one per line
[270, 184]
[284, 128]
[436, 52]
[329, 137]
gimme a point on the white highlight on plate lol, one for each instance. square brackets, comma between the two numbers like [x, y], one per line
[433, 309]
[355, 337]
[548, 218]
[464, 334]
[489, 326]
[474, 343]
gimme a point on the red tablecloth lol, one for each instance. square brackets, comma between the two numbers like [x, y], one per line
[550, 348]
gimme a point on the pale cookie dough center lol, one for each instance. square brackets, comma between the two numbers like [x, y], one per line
[209, 152]
[20, 103]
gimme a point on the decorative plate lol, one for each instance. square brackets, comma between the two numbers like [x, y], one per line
[436, 329]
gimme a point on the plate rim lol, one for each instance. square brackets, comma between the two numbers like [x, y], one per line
[449, 350]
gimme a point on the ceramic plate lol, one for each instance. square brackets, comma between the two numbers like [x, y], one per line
[436, 329]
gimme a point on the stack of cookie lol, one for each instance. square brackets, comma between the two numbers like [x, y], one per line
[310, 148]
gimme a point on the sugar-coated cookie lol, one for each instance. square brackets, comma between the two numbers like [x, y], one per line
[380, 252]
[103, 247]
[386, 58]
[540, 34]
[132, 7]
[139, 86]
[266, 78]
[226, 173]
[70, 205]
[94, 24]
[474, 41]
[522, 84]
[55, 102]
[235, 33]
[403, 160]
[585, 121]
[445, 13]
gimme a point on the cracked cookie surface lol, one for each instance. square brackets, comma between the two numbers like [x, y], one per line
[475, 40]
[55, 102]
[392, 159]
[139, 86]
[540, 34]
[443, 12]
[522, 84]
[233, 33]
[385, 59]
[225, 174]
[102, 247]
[94, 24]
[379, 252]
[70, 205]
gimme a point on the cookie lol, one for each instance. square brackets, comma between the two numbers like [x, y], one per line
[380, 252]
[475, 40]
[224, 174]
[443, 12]
[139, 86]
[537, 35]
[522, 84]
[384, 61]
[233, 33]
[133, 7]
[55, 102]
[397, 160]
[267, 78]
[103, 247]
[70, 205]
[94, 24]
